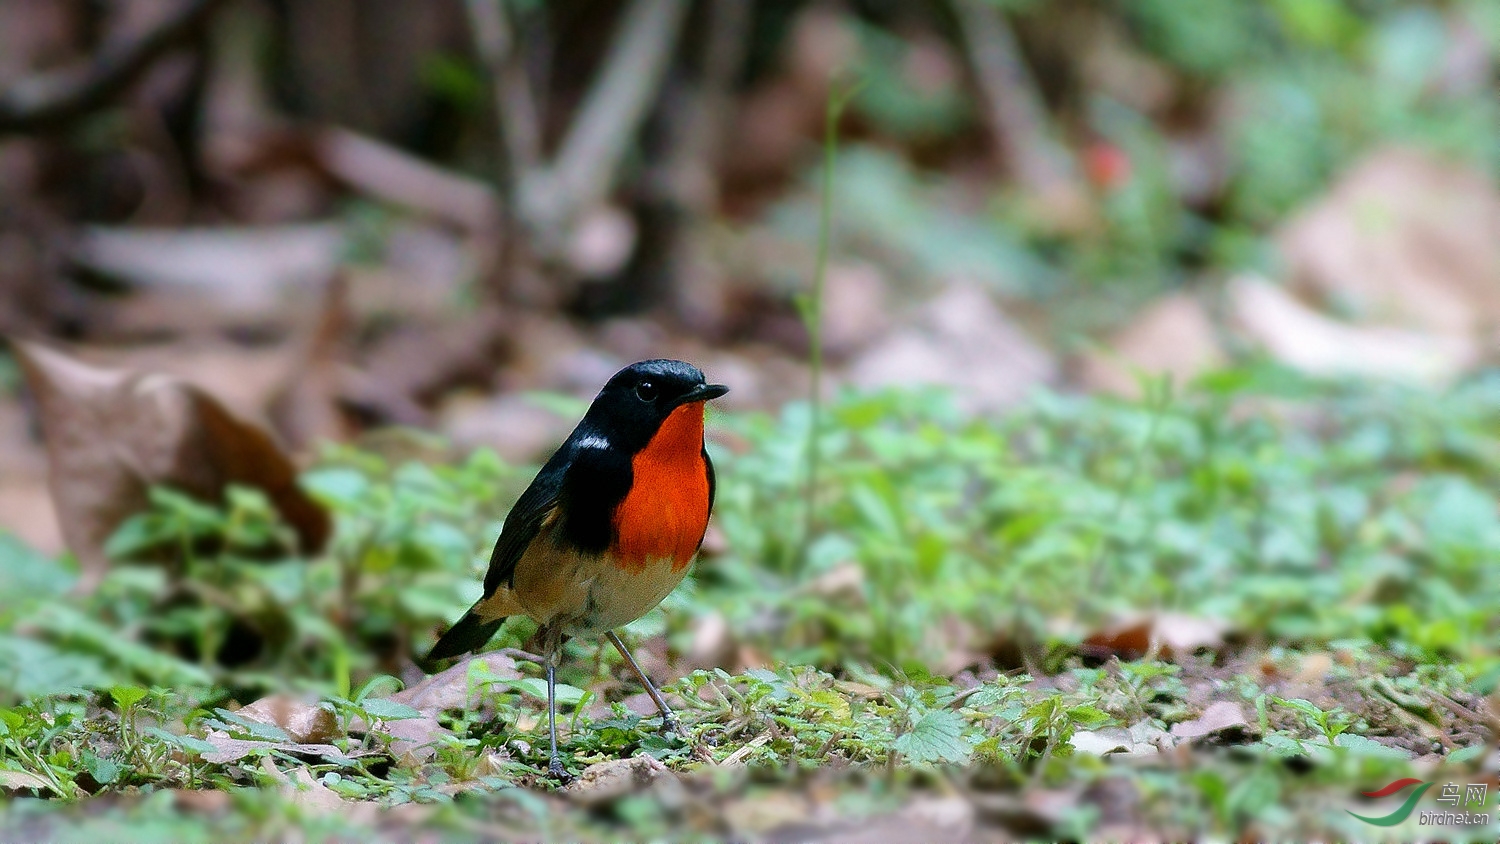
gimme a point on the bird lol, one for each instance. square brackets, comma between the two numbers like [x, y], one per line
[608, 527]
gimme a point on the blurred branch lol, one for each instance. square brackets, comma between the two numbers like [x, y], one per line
[55, 99]
[396, 176]
[609, 118]
[1013, 106]
[724, 55]
[515, 110]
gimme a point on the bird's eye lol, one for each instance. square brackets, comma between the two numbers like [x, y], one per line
[646, 391]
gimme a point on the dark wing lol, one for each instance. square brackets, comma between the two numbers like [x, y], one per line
[531, 510]
[712, 480]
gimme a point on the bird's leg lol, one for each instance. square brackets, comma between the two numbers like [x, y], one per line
[669, 722]
[554, 761]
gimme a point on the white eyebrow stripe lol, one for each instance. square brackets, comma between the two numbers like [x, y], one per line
[593, 441]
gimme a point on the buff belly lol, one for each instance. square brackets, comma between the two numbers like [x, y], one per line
[582, 594]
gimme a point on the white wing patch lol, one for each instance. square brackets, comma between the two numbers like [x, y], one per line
[593, 441]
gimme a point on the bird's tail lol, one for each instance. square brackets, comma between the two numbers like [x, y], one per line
[470, 633]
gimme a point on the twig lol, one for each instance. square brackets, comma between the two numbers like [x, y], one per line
[49, 101]
[1013, 106]
[380, 170]
[611, 113]
[812, 311]
[724, 54]
[515, 111]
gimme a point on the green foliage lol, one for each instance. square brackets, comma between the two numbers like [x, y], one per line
[1364, 535]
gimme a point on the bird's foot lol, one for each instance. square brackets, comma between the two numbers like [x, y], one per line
[670, 726]
[558, 772]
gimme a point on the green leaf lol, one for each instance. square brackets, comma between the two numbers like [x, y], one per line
[127, 696]
[536, 687]
[257, 729]
[1365, 746]
[387, 709]
[103, 770]
[1463, 754]
[1088, 716]
[936, 737]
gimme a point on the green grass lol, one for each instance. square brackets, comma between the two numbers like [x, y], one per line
[934, 635]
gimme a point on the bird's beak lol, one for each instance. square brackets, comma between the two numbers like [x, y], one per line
[703, 392]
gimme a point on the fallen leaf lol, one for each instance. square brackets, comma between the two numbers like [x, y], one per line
[1173, 634]
[459, 686]
[1173, 335]
[304, 723]
[1141, 739]
[1403, 239]
[1304, 339]
[17, 780]
[229, 749]
[606, 781]
[305, 409]
[250, 272]
[413, 740]
[1223, 722]
[112, 435]
[391, 174]
[945, 345]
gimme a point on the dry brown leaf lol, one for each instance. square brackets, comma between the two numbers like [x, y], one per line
[451, 688]
[413, 739]
[1305, 339]
[1172, 634]
[305, 409]
[1222, 720]
[1406, 240]
[18, 780]
[251, 275]
[960, 339]
[606, 781]
[112, 435]
[1140, 739]
[229, 749]
[304, 723]
[1173, 335]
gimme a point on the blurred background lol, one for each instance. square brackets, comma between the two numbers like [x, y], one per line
[338, 215]
[1209, 292]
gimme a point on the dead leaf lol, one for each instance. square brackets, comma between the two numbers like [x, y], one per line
[305, 410]
[254, 274]
[518, 429]
[844, 582]
[1223, 722]
[391, 174]
[111, 435]
[229, 749]
[17, 780]
[413, 739]
[452, 688]
[960, 339]
[1141, 739]
[1305, 339]
[1172, 634]
[1403, 239]
[304, 723]
[606, 781]
[713, 643]
[1173, 335]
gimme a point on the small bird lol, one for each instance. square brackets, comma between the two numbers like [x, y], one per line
[607, 528]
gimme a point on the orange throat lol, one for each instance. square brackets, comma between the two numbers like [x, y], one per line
[664, 515]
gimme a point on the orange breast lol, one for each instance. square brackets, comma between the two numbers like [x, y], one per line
[664, 515]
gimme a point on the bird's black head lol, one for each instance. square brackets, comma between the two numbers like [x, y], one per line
[631, 407]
